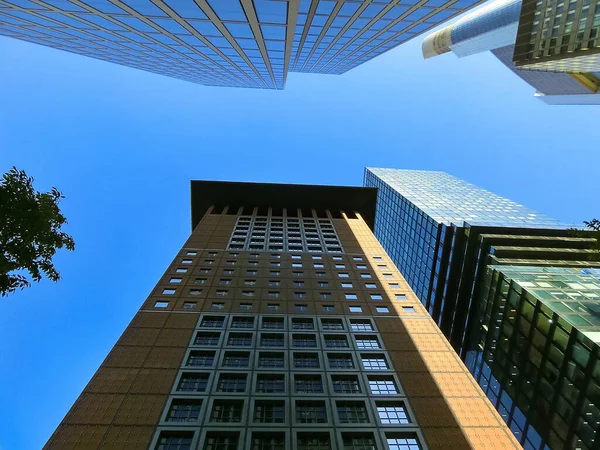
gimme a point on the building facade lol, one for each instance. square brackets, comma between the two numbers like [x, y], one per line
[537, 355]
[498, 26]
[282, 324]
[240, 43]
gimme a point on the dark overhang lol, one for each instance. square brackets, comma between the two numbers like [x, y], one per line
[360, 200]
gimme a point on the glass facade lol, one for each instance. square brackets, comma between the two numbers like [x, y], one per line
[537, 354]
[226, 42]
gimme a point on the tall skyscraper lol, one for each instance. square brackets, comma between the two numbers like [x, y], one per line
[242, 43]
[495, 276]
[498, 27]
[282, 324]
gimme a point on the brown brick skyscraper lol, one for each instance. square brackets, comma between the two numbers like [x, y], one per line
[282, 324]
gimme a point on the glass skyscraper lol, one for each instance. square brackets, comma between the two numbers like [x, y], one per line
[242, 43]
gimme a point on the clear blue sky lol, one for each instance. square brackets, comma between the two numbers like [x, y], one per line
[123, 145]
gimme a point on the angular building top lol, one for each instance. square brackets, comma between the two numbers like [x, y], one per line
[242, 43]
[452, 201]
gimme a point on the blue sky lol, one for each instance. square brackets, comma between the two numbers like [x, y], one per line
[123, 145]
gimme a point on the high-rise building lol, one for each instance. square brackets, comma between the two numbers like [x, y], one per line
[468, 244]
[496, 26]
[243, 43]
[282, 324]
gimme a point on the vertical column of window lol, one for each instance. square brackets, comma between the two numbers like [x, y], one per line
[277, 231]
[258, 236]
[329, 236]
[294, 235]
[313, 239]
[241, 233]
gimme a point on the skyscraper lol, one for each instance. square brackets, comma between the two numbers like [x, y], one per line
[282, 324]
[496, 27]
[512, 290]
[243, 43]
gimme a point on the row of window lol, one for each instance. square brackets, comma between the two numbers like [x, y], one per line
[275, 256]
[275, 411]
[279, 323]
[299, 360]
[277, 283]
[276, 383]
[273, 440]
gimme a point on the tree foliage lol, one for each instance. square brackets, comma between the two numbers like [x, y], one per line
[593, 230]
[30, 232]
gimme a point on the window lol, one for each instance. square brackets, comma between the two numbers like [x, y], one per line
[268, 441]
[306, 361]
[273, 294]
[392, 413]
[337, 258]
[270, 383]
[220, 440]
[355, 309]
[370, 285]
[274, 255]
[365, 275]
[218, 305]
[340, 361]
[336, 341]
[181, 270]
[367, 342]
[242, 322]
[304, 340]
[168, 291]
[230, 262]
[245, 307]
[274, 282]
[383, 385]
[251, 272]
[377, 258]
[358, 441]
[402, 441]
[357, 258]
[249, 282]
[319, 265]
[400, 297]
[222, 292]
[361, 266]
[240, 339]
[296, 257]
[313, 441]
[388, 275]
[317, 257]
[186, 261]
[212, 253]
[298, 274]
[298, 283]
[273, 323]
[274, 360]
[271, 340]
[232, 382]
[310, 411]
[227, 411]
[325, 295]
[328, 308]
[374, 361]
[382, 266]
[200, 281]
[332, 324]
[408, 309]
[382, 309]
[193, 382]
[205, 271]
[253, 263]
[352, 412]
[161, 304]
[175, 440]
[301, 307]
[199, 358]
[236, 359]
[394, 285]
[351, 296]
[345, 384]
[320, 274]
[248, 293]
[208, 262]
[266, 411]
[376, 297]
[275, 264]
[346, 285]
[308, 384]
[228, 271]
[189, 305]
[340, 266]
[212, 322]
[175, 280]
[300, 295]
[323, 284]
[274, 273]
[343, 275]
[303, 324]
[296, 264]
[361, 325]
[207, 339]
[273, 306]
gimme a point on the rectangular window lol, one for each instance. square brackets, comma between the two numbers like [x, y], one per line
[388, 275]
[336, 341]
[168, 291]
[161, 304]
[332, 324]
[240, 339]
[352, 412]
[200, 281]
[306, 361]
[320, 274]
[175, 440]
[229, 382]
[242, 322]
[313, 441]
[210, 339]
[370, 285]
[365, 342]
[228, 411]
[392, 413]
[402, 441]
[274, 282]
[268, 441]
[310, 411]
[383, 385]
[328, 308]
[343, 275]
[345, 384]
[189, 305]
[184, 411]
[340, 361]
[181, 270]
[400, 297]
[272, 307]
[212, 322]
[236, 359]
[408, 309]
[308, 384]
[217, 305]
[271, 340]
[175, 280]
[218, 440]
[374, 361]
[302, 324]
[382, 309]
[346, 285]
[273, 360]
[376, 297]
[360, 441]
[270, 383]
[394, 285]
[304, 340]
[301, 307]
[200, 358]
[267, 411]
[361, 325]
[365, 275]
[274, 294]
[193, 382]
[355, 309]
[351, 296]
[273, 323]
